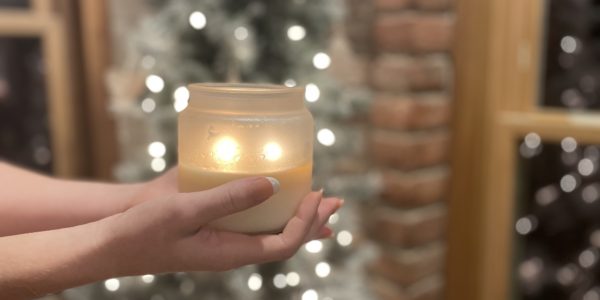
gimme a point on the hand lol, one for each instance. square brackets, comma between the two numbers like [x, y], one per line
[169, 233]
[161, 186]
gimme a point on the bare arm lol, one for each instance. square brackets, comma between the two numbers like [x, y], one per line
[161, 235]
[32, 202]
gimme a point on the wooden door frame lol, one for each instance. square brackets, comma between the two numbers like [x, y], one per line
[498, 62]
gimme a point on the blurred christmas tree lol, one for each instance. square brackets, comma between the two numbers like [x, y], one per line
[273, 41]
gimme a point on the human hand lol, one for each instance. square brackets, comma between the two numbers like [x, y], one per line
[170, 233]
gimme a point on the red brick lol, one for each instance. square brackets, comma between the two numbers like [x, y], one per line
[404, 73]
[427, 289]
[408, 150]
[408, 228]
[392, 4]
[433, 4]
[413, 32]
[410, 112]
[414, 188]
[408, 266]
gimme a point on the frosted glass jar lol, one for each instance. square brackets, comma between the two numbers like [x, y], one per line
[232, 131]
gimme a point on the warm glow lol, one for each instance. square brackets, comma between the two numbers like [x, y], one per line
[272, 151]
[226, 151]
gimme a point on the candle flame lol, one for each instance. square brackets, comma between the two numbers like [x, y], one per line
[226, 150]
[272, 151]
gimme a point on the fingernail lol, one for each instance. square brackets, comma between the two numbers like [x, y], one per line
[342, 201]
[275, 183]
[321, 191]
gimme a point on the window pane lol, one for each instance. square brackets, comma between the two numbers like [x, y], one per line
[572, 74]
[24, 134]
[557, 224]
[14, 3]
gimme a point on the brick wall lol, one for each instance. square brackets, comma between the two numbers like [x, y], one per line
[410, 72]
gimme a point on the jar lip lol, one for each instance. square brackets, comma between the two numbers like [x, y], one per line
[243, 88]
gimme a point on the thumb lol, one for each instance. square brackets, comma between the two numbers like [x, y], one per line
[234, 196]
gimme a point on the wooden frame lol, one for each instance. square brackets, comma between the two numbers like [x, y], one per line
[43, 20]
[498, 65]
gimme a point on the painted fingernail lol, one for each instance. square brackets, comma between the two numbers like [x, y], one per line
[275, 183]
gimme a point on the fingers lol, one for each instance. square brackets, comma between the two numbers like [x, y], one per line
[240, 249]
[229, 198]
[327, 207]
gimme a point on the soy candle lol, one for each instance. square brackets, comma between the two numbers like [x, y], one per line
[232, 131]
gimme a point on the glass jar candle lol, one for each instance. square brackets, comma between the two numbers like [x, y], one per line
[232, 131]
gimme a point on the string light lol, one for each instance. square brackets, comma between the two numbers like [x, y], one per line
[312, 92]
[155, 83]
[158, 164]
[568, 44]
[322, 269]
[321, 61]
[292, 279]
[255, 282]
[157, 149]
[197, 20]
[181, 96]
[290, 82]
[344, 238]
[546, 195]
[326, 137]
[147, 278]
[568, 183]
[112, 284]
[310, 295]
[590, 193]
[526, 224]
[567, 274]
[592, 294]
[279, 281]
[585, 167]
[588, 258]
[296, 32]
[240, 33]
[532, 140]
[314, 246]
[568, 144]
[148, 105]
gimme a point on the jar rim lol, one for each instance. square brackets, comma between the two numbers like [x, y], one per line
[243, 88]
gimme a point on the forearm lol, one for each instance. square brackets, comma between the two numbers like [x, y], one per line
[31, 202]
[35, 264]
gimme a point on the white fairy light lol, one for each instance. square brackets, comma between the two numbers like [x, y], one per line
[197, 20]
[312, 92]
[525, 225]
[241, 33]
[148, 62]
[290, 82]
[334, 218]
[567, 274]
[322, 269]
[292, 279]
[181, 97]
[279, 281]
[112, 284]
[533, 140]
[588, 258]
[590, 193]
[568, 144]
[158, 164]
[344, 238]
[568, 183]
[314, 246]
[157, 149]
[155, 83]
[255, 282]
[310, 295]
[148, 105]
[585, 167]
[321, 61]
[148, 278]
[568, 44]
[326, 137]
[296, 32]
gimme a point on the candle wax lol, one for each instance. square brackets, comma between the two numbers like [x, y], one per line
[267, 217]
